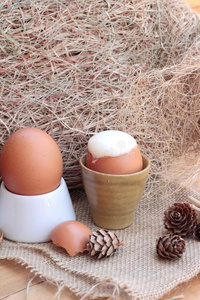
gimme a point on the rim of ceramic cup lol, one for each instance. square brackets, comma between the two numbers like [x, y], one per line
[144, 157]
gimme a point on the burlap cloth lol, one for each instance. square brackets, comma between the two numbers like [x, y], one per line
[73, 68]
[133, 272]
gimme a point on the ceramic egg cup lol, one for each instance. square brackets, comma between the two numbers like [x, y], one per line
[113, 199]
[30, 219]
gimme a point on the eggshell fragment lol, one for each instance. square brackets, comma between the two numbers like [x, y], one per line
[71, 235]
[114, 152]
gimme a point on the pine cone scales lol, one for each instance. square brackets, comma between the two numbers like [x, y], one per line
[180, 219]
[197, 231]
[170, 246]
[103, 243]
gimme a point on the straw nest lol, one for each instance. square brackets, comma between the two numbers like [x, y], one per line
[74, 68]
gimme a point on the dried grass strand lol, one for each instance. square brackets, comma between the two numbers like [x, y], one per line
[73, 68]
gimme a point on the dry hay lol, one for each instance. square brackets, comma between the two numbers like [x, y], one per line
[73, 68]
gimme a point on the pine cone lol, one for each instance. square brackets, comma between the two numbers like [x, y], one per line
[180, 219]
[103, 243]
[197, 231]
[170, 246]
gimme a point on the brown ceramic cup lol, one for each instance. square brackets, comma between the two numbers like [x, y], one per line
[113, 199]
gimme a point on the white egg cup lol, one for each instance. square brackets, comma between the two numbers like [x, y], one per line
[30, 219]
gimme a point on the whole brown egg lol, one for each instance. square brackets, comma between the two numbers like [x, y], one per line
[31, 162]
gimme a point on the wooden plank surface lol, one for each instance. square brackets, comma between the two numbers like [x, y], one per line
[195, 4]
[15, 279]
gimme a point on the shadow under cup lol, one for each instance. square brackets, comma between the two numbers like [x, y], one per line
[113, 199]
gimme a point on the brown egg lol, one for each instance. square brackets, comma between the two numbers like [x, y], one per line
[71, 235]
[114, 152]
[31, 162]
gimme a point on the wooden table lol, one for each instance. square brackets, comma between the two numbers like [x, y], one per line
[195, 4]
[15, 280]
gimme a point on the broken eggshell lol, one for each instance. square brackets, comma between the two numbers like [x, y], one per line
[72, 236]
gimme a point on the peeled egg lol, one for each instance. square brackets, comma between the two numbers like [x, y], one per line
[31, 162]
[114, 152]
[71, 235]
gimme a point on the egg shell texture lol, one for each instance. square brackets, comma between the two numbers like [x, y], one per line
[31, 162]
[71, 235]
[128, 163]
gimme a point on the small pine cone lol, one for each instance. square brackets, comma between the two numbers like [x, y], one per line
[103, 243]
[180, 218]
[170, 246]
[197, 231]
